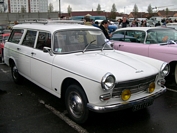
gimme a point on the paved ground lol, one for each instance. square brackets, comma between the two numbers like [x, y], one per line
[27, 108]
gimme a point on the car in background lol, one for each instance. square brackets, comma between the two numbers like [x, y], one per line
[2, 28]
[76, 63]
[91, 17]
[172, 25]
[155, 42]
[3, 38]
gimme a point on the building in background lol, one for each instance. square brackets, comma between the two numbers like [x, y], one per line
[38, 5]
[15, 6]
[3, 6]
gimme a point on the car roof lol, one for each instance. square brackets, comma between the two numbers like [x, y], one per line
[140, 28]
[52, 27]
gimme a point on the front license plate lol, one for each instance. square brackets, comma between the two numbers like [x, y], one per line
[141, 106]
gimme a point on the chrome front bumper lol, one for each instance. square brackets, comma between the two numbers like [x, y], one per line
[120, 106]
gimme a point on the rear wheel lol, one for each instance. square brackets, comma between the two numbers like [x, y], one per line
[2, 56]
[15, 75]
[76, 103]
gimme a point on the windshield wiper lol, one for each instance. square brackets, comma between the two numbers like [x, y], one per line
[104, 44]
[88, 45]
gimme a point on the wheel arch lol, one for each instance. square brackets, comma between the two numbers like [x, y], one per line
[66, 83]
[172, 66]
[11, 62]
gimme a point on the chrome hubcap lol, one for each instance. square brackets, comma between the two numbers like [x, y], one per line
[15, 72]
[75, 104]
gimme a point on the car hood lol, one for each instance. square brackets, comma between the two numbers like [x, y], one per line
[95, 65]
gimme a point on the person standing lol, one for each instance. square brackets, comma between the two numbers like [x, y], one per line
[125, 22]
[134, 24]
[143, 23]
[104, 27]
[157, 24]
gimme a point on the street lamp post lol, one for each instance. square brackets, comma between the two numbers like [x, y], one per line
[59, 9]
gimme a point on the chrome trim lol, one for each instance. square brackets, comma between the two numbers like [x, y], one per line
[137, 85]
[163, 67]
[124, 105]
[103, 85]
[161, 82]
[105, 97]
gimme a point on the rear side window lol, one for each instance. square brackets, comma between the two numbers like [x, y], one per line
[135, 36]
[118, 36]
[30, 38]
[16, 36]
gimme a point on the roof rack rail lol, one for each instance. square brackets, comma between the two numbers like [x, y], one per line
[66, 21]
[46, 21]
[34, 20]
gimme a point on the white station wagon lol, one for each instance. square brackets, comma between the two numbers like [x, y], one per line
[76, 62]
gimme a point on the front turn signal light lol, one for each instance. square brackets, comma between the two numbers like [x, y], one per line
[126, 94]
[151, 87]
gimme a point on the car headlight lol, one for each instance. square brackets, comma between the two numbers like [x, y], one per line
[108, 82]
[165, 69]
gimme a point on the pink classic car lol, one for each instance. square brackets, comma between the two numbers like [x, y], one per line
[155, 42]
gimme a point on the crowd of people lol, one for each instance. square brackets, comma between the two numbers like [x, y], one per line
[122, 23]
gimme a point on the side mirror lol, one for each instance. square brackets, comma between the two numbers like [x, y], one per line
[47, 50]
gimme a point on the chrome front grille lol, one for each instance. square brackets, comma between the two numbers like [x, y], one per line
[135, 86]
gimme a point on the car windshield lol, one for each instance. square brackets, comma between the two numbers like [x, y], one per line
[156, 36]
[79, 40]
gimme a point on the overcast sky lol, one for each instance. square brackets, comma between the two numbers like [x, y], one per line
[121, 5]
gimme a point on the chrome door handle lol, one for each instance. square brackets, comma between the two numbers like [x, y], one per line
[120, 45]
[33, 53]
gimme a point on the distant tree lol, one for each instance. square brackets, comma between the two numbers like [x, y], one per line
[69, 10]
[50, 8]
[149, 10]
[135, 10]
[98, 9]
[23, 9]
[113, 12]
[166, 12]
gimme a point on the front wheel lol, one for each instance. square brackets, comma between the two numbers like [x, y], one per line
[76, 104]
[15, 75]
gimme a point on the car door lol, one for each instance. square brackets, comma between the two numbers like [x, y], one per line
[25, 53]
[13, 47]
[131, 41]
[41, 62]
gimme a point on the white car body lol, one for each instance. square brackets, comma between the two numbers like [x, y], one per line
[56, 71]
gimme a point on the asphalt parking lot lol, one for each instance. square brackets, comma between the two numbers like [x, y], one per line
[27, 108]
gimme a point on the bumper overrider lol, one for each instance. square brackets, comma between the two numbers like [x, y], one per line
[121, 106]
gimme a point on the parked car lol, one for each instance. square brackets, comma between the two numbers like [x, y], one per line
[172, 25]
[2, 28]
[154, 42]
[3, 38]
[76, 62]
